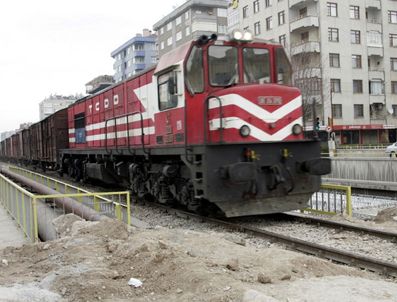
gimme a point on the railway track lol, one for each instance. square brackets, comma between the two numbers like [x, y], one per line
[321, 251]
[373, 264]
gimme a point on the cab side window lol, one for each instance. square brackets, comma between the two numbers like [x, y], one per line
[79, 126]
[168, 90]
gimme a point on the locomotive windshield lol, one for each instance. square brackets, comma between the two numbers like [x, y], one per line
[284, 71]
[223, 67]
[256, 65]
[195, 71]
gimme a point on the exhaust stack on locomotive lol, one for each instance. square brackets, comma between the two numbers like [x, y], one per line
[214, 126]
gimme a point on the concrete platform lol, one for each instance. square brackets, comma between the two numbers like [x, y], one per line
[10, 233]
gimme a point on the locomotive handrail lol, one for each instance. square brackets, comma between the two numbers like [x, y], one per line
[206, 127]
[127, 115]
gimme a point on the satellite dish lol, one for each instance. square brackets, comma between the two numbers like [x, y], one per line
[390, 110]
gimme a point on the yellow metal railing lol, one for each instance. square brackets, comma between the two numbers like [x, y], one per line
[331, 200]
[22, 205]
[120, 202]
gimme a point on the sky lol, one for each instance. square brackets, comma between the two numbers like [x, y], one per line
[57, 46]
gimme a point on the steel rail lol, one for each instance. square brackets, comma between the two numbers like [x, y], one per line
[342, 226]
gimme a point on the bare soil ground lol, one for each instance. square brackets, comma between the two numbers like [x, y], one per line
[94, 261]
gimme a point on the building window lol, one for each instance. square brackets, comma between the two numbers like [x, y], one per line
[283, 40]
[332, 9]
[303, 12]
[187, 15]
[169, 41]
[257, 28]
[169, 26]
[337, 110]
[256, 6]
[269, 23]
[356, 61]
[355, 36]
[305, 37]
[393, 40]
[178, 20]
[394, 87]
[178, 35]
[222, 12]
[333, 34]
[222, 29]
[374, 38]
[161, 30]
[245, 11]
[358, 110]
[357, 86]
[268, 3]
[187, 31]
[392, 16]
[393, 64]
[335, 86]
[376, 87]
[354, 12]
[334, 60]
[394, 110]
[281, 18]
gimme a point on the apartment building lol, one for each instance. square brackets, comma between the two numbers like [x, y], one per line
[135, 55]
[54, 103]
[189, 21]
[344, 57]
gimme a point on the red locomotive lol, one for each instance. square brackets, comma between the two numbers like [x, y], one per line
[214, 126]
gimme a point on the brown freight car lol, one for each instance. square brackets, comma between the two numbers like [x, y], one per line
[51, 135]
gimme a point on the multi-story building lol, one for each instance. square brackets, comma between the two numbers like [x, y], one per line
[344, 57]
[98, 84]
[134, 55]
[189, 21]
[54, 103]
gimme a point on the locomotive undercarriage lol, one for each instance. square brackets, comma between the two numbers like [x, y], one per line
[236, 180]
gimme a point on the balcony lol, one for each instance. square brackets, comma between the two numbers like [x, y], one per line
[305, 47]
[139, 53]
[293, 3]
[304, 22]
[374, 24]
[372, 3]
[377, 99]
[375, 51]
[376, 73]
[139, 66]
[308, 74]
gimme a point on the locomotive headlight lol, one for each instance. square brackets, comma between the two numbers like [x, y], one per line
[237, 35]
[245, 131]
[297, 129]
[248, 36]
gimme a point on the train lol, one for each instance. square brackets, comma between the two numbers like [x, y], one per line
[215, 126]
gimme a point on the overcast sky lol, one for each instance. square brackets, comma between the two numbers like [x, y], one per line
[57, 46]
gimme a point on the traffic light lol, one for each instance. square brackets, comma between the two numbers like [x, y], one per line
[317, 125]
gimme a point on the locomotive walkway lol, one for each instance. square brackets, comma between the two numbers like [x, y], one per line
[10, 234]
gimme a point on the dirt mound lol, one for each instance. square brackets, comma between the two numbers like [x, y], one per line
[387, 215]
[95, 261]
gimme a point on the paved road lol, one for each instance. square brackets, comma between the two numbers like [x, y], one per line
[10, 234]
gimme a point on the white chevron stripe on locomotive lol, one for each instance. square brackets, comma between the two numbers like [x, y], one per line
[237, 123]
[254, 109]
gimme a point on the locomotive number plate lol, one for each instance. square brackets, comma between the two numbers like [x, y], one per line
[270, 100]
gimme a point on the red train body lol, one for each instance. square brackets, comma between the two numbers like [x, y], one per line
[214, 126]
